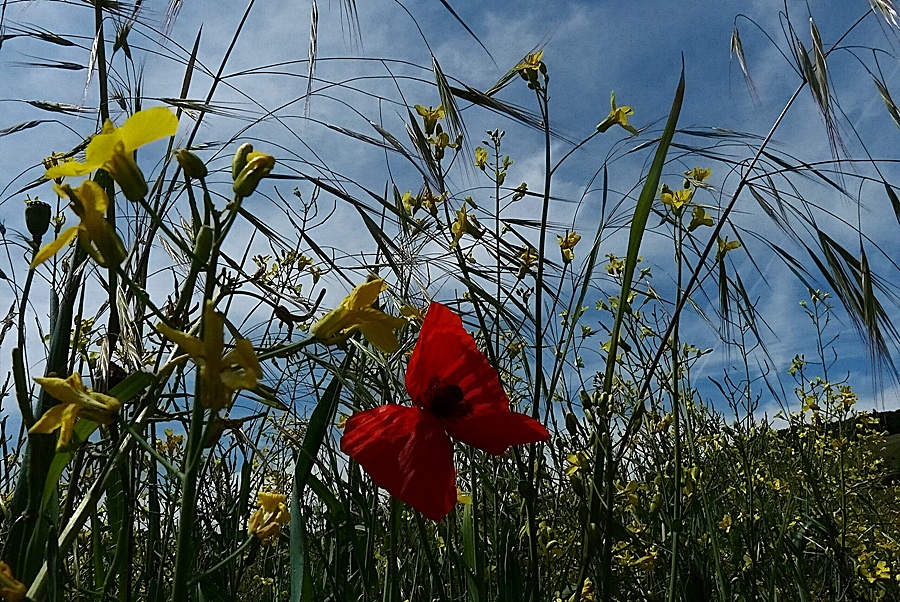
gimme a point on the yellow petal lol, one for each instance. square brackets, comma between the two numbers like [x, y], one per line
[67, 425]
[66, 390]
[380, 332]
[52, 248]
[101, 149]
[244, 356]
[50, 421]
[191, 344]
[93, 197]
[330, 324]
[146, 126]
[364, 295]
[271, 502]
[68, 169]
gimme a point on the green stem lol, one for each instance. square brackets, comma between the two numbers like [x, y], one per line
[541, 92]
[676, 415]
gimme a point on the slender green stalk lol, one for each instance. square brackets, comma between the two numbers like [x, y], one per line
[676, 414]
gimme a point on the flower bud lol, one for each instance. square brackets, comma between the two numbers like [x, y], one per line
[37, 218]
[240, 159]
[192, 165]
[257, 167]
[125, 171]
[202, 247]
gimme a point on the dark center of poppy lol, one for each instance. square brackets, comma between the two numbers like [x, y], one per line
[446, 401]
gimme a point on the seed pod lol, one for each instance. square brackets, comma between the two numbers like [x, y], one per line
[37, 218]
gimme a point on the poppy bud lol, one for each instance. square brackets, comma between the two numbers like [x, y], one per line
[202, 246]
[37, 218]
[572, 423]
[526, 490]
[192, 165]
[257, 167]
[240, 159]
[595, 536]
[577, 485]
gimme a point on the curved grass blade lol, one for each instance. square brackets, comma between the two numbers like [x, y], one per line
[319, 423]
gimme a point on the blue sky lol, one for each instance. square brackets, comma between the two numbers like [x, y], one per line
[591, 48]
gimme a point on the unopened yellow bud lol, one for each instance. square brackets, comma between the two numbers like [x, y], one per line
[257, 167]
[192, 165]
[240, 159]
[125, 171]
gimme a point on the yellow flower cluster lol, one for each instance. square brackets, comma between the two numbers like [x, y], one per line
[266, 522]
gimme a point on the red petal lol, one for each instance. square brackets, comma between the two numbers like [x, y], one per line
[405, 451]
[445, 350]
[494, 433]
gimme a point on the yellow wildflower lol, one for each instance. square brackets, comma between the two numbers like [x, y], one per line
[96, 236]
[580, 460]
[726, 245]
[410, 203]
[567, 245]
[75, 401]
[356, 312]
[615, 266]
[430, 116]
[464, 224]
[463, 497]
[481, 157]
[113, 150]
[647, 562]
[221, 374]
[676, 199]
[528, 257]
[266, 522]
[617, 116]
[440, 141]
[726, 523]
[699, 218]
[429, 202]
[530, 66]
[698, 175]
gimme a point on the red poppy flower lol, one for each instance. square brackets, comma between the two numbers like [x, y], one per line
[455, 393]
